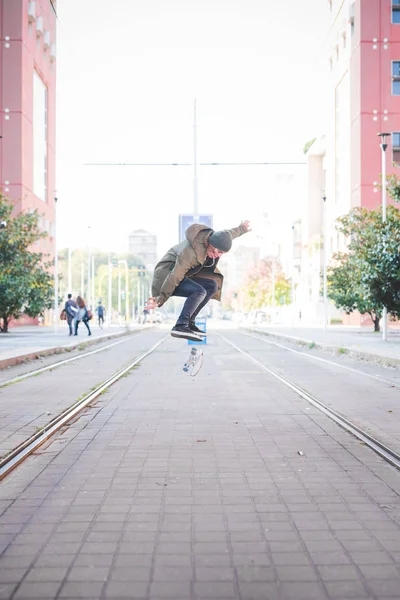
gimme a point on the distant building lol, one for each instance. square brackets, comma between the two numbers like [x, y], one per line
[144, 244]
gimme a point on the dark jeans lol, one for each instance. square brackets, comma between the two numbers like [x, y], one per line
[198, 292]
[70, 320]
[77, 323]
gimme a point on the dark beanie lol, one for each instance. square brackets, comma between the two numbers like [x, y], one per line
[222, 240]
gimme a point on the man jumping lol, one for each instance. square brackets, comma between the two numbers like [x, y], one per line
[189, 270]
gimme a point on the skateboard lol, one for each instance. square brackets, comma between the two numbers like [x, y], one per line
[194, 363]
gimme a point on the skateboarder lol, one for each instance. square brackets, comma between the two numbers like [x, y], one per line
[189, 270]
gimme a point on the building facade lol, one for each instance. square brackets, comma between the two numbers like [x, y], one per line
[144, 244]
[27, 110]
[362, 54]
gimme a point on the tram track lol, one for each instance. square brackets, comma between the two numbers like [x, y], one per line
[359, 372]
[379, 448]
[65, 361]
[32, 443]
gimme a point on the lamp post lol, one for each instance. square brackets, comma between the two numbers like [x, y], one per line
[69, 271]
[82, 292]
[125, 262]
[325, 262]
[384, 146]
[55, 269]
[109, 306]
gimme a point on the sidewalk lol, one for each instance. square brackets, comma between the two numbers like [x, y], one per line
[356, 342]
[27, 343]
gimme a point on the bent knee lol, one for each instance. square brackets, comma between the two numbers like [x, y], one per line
[213, 286]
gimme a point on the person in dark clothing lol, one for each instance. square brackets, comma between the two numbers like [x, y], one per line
[100, 314]
[189, 270]
[82, 315]
[71, 309]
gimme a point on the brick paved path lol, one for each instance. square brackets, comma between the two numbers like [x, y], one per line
[174, 488]
[369, 402]
[28, 405]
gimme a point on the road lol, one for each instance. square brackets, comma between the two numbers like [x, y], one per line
[226, 485]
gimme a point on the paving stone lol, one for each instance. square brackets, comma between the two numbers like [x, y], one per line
[81, 589]
[88, 573]
[30, 589]
[46, 574]
[346, 589]
[216, 589]
[259, 591]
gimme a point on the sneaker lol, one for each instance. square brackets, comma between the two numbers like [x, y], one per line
[183, 331]
[195, 329]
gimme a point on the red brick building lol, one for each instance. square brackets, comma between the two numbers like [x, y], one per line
[362, 54]
[27, 108]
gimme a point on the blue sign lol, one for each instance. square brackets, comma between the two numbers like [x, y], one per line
[186, 220]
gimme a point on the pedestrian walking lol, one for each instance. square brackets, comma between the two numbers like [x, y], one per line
[189, 270]
[100, 314]
[71, 309]
[82, 315]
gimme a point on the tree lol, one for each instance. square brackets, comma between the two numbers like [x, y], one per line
[367, 278]
[26, 286]
[258, 290]
[346, 290]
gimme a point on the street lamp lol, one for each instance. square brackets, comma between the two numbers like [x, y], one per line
[125, 262]
[55, 269]
[384, 146]
[3, 224]
[325, 264]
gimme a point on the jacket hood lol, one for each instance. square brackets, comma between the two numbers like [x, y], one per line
[197, 235]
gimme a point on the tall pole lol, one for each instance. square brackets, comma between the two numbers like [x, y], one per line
[69, 272]
[55, 269]
[138, 298]
[109, 304]
[119, 294]
[325, 265]
[92, 298]
[88, 276]
[82, 290]
[126, 292]
[384, 146]
[273, 278]
[195, 182]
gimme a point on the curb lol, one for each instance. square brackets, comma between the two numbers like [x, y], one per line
[358, 354]
[23, 358]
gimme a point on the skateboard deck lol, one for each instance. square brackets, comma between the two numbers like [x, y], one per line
[194, 363]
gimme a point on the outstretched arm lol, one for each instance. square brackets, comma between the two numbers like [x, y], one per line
[243, 228]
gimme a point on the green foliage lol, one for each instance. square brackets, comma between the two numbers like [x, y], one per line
[258, 291]
[393, 187]
[368, 276]
[26, 286]
[308, 145]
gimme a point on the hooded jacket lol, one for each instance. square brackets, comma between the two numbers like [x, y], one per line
[187, 260]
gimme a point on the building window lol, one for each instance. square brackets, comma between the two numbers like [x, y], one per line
[396, 78]
[39, 137]
[395, 11]
[396, 147]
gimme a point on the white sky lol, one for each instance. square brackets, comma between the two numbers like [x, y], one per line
[128, 72]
